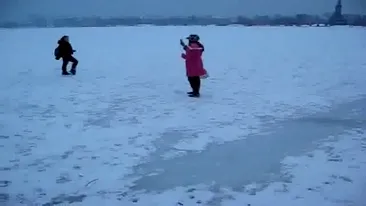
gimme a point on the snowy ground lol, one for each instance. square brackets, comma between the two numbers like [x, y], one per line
[281, 120]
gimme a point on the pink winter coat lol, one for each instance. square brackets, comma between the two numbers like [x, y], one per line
[193, 59]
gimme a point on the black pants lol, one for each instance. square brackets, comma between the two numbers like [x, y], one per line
[65, 62]
[195, 83]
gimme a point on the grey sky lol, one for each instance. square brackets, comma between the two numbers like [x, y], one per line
[20, 9]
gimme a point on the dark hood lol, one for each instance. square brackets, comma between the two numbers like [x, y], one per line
[62, 40]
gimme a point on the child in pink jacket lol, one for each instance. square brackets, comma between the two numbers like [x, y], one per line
[194, 63]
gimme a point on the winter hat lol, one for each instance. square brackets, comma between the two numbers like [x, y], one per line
[64, 37]
[193, 37]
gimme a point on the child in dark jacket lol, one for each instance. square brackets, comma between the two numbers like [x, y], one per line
[65, 51]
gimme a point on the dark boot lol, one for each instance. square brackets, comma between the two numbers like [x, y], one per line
[191, 83]
[74, 65]
[196, 83]
[194, 95]
[64, 66]
[73, 71]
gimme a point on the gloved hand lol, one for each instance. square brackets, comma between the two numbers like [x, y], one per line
[182, 43]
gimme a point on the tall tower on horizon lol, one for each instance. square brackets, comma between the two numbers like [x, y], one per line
[338, 7]
[337, 17]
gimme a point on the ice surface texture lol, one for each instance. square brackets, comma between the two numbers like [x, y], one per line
[281, 120]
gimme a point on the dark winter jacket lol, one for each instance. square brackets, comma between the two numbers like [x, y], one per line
[64, 49]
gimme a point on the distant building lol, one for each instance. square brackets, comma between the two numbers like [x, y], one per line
[337, 17]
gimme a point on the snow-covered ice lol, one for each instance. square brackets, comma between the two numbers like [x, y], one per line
[281, 120]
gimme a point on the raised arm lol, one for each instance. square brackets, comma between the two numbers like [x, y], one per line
[185, 47]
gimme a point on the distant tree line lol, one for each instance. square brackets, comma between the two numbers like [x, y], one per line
[277, 20]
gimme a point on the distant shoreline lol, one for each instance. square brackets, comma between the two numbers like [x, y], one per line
[277, 20]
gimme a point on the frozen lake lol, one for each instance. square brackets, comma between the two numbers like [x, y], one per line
[281, 120]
